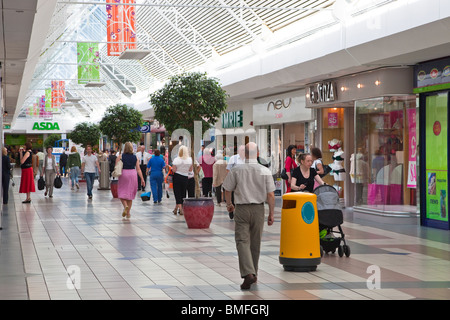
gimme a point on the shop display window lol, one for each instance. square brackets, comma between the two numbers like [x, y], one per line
[380, 167]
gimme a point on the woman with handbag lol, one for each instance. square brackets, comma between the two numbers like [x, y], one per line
[128, 179]
[27, 177]
[50, 170]
[290, 165]
[74, 164]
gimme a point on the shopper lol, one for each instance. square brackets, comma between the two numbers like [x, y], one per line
[143, 158]
[6, 174]
[290, 165]
[155, 167]
[304, 175]
[26, 180]
[206, 163]
[316, 155]
[253, 185]
[74, 164]
[40, 156]
[181, 166]
[50, 172]
[35, 163]
[112, 161]
[89, 164]
[219, 174]
[63, 163]
[128, 181]
[234, 161]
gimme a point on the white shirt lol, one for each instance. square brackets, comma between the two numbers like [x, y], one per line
[49, 164]
[234, 161]
[182, 165]
[89, 163]
[147, 157]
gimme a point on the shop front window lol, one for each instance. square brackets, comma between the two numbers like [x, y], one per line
[381, 160]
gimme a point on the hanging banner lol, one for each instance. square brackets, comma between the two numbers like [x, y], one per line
[120, 26]
[88, 58]
[412, 177]
[48, 100]
[58, 95]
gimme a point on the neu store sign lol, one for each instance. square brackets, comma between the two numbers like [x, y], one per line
[48, 126]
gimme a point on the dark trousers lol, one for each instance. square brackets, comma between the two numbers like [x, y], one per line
[207, 186]
[219, 193]
[144, 175]
[5, 185]
[180, 185]
[191, 188]
[63, 169]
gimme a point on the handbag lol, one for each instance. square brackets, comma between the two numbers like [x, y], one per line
[146, 196]
[118, 169]
[41, 183]
[283, 174]
[58, 182]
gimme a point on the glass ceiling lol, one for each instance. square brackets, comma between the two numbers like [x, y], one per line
[176, 35]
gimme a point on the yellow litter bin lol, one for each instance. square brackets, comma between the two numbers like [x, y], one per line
[299, 239]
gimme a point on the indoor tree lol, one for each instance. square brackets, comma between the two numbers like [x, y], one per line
[121, 123]
[51, 140]
[185, 99]
[85, 133]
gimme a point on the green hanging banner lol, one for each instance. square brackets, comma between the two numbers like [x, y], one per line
[48, 100]
[88, 58]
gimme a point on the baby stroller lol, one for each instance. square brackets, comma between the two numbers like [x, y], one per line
[330, 216]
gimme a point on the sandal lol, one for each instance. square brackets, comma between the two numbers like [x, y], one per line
[125, 211]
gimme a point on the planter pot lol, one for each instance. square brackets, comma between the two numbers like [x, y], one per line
[113, 186]
[198, 212]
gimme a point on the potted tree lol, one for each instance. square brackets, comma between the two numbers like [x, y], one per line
[184, 100]
[120, 123]
[85, 133]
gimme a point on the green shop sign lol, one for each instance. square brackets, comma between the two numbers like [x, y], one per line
[46, 126]
[232, 119]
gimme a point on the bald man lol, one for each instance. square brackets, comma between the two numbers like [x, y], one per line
[253, 185]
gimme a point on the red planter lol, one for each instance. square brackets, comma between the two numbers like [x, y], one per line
[198, 212]
[113, 186]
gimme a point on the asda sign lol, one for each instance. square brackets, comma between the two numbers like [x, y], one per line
[46, 126]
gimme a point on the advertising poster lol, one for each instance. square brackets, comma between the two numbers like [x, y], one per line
[120, 26]
[436, 158]
[412, 176]
[88, 59]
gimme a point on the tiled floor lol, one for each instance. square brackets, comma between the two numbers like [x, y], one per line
[154, 255]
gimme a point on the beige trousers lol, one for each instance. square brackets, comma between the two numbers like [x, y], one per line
[49, 180]
[249, 225]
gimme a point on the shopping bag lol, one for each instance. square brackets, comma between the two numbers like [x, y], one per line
[58, 182]
[41, 183]
[145, 196]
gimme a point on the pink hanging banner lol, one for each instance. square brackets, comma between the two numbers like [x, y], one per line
[58, 95]
[120, 26]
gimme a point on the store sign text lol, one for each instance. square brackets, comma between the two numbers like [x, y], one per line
[278, 104]
[232, 119]
[46, 126]
[322, 92]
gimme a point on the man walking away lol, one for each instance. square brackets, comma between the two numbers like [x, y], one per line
[88, 165]
[63, 163]
[252, 184]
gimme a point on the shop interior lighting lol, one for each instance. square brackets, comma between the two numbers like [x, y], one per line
[377, 83]
[359, 85]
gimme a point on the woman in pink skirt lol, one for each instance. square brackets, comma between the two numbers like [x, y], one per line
[127, 185]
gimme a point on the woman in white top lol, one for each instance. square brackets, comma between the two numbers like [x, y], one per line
[181, 166]
[50, 172]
